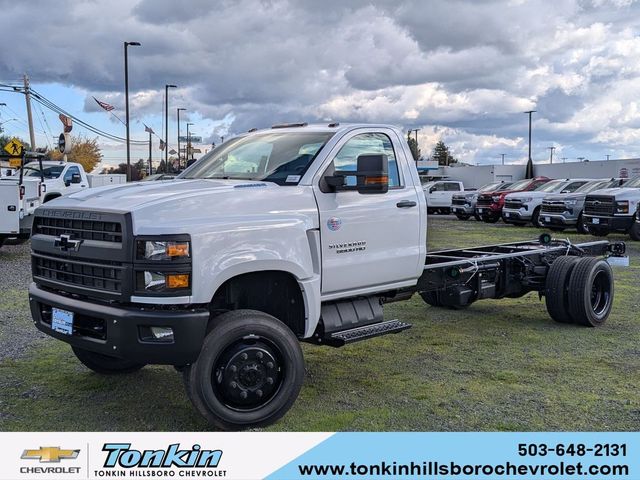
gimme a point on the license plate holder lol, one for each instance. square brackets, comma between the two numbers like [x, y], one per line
[62, 321]
[595, 221]
[547, 219]
[480, 210]
[507, 214]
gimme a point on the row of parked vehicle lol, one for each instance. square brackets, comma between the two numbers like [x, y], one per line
[596, 206]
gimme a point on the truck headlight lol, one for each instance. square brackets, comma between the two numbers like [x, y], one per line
[622, 206]
[496, 198]
[570, 203]
[151, 281]
[162, 250]
[525, 199]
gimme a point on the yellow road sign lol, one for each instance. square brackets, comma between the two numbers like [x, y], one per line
[14, 147]
[15, 162]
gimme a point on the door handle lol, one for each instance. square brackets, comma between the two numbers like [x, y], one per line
[406, 204]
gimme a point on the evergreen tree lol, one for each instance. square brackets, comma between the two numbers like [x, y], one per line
[442, 155]
[413, 146]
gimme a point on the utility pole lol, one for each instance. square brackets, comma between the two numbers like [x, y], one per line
[502, 155]
[27, 97]
[150, 162]
[608, 157]
[564, 159]
[530, 112]
[188, 142]
[126, 101]
[581, 158]
[551, 149]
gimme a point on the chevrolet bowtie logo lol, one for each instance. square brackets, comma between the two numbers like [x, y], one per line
[49, 454]
[66, 243]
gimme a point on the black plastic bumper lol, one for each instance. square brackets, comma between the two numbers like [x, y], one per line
[609, 223]
[116, 331]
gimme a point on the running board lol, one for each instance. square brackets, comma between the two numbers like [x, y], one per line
[338, 339]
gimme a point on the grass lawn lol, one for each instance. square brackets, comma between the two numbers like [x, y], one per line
[499, 365]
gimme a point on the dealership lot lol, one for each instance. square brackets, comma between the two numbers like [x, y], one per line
[494, 366]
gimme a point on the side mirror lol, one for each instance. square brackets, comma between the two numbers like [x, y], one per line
[432, 189]
[373, 174]
[67, 183]
[75, 178]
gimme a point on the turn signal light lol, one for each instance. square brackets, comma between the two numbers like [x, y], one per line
[381, 180]
[175, 249]
[177, 280]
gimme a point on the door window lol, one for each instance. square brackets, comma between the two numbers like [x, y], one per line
[452, 187]
[366, 143]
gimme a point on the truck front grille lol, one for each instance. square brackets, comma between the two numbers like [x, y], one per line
[458, 201]
[89, 275]
[484, 201]
[553, 208]
[514, 204]
[599, 205]
[80, 229]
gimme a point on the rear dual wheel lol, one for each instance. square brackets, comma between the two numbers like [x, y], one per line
[579, 290]
[249, 372]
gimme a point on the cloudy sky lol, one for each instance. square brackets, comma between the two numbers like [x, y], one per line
[461, 71]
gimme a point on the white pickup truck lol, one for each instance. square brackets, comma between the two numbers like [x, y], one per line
[19, 199]
[64, 178]
[439, 195]
[294, 233]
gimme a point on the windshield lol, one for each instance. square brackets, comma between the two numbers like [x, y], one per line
[281, 158]
[489, 187]
[503, 186]
[591, 186]
[520, 184]
[633, 183]
[551, 186]
[48, 172]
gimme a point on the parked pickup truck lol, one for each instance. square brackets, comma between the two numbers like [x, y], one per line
[463, 205]
[613, 210]
[293, 233]
[19, 199]
[561, 211]
[490, 204]
[64, 178]
[523, 207]
[439, 195]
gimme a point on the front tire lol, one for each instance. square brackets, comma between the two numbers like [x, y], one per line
[580, 226]
[491, 219]
[249, 372]
[105, 364]
[535, 218]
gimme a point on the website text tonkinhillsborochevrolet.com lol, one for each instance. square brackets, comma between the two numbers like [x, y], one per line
[432, 469]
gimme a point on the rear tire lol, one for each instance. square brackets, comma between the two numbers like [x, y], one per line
[105, 364]
[590, 292]
[556, 285]
[249, 372]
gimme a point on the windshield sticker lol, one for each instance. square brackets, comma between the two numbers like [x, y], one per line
[334, 224]
[292, 179]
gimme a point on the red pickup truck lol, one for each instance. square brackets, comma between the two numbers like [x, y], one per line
[489, 205]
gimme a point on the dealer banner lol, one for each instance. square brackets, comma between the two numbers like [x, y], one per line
[253, 455]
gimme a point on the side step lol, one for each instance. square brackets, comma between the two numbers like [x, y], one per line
[338, 339]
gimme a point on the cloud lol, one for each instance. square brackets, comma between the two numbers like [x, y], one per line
[462, 67]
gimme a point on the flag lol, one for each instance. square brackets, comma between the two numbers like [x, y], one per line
[104, 105]
[161, 144]
[148, 129]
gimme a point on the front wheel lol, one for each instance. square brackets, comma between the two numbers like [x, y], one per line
[491, 219]
[535, 218]
[105, 364]
[249, 372]
[580, 225]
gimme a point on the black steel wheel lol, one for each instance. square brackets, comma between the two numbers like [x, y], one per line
[590, 292]
[249, 372]
[556, 288]
[105, 364]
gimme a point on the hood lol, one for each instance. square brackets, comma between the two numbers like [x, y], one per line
[617, 191]
[559, 197]
[190, 202]
[527, 194]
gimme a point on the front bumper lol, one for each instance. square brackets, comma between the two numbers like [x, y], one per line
[463, 209]
[554, 219]
[491, 211]
[116, 330]
[510, 215]
[609, 223]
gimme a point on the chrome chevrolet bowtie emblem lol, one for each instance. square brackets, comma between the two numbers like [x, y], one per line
[66, 243]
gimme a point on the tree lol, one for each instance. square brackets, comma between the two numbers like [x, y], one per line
[137, 171]
[4, 139]
[83, 151]
[442, 155]
[413, 146]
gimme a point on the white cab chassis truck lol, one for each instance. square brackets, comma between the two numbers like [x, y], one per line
[294, 233]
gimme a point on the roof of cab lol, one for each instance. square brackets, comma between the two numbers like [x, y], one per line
[331, 127]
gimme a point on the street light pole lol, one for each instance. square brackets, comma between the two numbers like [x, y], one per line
[530, 112]
[551, 149]
[166, 126]
[126, 102]
[178, 111]
[502, 155]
